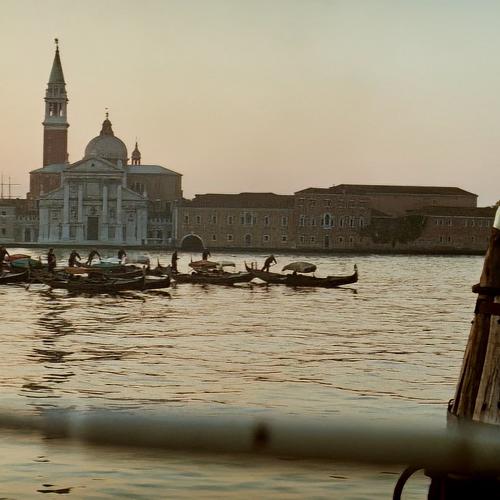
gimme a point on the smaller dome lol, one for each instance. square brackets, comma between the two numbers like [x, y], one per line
[107, 146]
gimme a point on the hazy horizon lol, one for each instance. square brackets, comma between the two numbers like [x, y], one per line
[265, 96]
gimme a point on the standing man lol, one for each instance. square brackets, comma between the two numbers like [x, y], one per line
[206, 254]
[267, 263]
[72, 262]
[173, 262]
[121, 254]
[3, 253]
[93, 253]
[51, 260]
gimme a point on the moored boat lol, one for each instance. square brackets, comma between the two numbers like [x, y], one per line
[299, 280]
[213, 278]
[17, 277]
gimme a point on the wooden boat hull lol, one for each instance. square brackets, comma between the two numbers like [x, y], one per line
[225, 279]
[328, 282]
[299, 280]
[268, 277]
[15, 277]
[109, 285]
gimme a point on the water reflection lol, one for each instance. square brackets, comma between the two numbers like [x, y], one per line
[50, 329]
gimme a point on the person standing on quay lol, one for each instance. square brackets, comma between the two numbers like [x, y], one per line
[173, 262]
[121, 254]
[51, 260]
[267, 263]
[206, 254]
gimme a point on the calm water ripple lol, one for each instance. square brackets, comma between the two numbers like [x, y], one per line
[389, 346]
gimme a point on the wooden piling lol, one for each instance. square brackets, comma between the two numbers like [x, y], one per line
[478, 391]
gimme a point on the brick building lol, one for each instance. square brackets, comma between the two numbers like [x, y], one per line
[245, 220]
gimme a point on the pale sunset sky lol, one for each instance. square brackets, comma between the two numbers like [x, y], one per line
[265, 95]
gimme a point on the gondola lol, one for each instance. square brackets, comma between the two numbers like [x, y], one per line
[213, 278]
[84, 285]
[298, 280]
[19, 277]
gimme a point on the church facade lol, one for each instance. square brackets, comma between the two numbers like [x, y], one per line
[105, 197]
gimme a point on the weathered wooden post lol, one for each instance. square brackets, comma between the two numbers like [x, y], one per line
[477, 397]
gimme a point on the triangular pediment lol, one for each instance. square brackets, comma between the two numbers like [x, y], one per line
[93, 164]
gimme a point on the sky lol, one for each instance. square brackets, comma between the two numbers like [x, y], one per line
[265, 95]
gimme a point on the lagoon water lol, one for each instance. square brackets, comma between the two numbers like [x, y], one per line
[388, 347]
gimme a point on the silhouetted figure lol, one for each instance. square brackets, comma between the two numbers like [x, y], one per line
[73, 256]
[206, 254]
[121, 254]
[3, 253]
[51, 260]
[92, 254]
[267, 263]
[173, 262]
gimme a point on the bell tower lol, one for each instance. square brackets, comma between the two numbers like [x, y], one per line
[55, 124]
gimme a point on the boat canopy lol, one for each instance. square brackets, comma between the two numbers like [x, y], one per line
[300, 267]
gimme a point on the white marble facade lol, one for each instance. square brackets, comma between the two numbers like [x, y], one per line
[93, 205]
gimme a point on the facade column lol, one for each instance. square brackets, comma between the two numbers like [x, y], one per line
[79, 229]
[65, 226]
[104, 217]
[119, 221]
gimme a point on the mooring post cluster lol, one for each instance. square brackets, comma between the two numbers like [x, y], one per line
[477, 397]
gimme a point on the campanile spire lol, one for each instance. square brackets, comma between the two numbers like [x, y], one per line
[55, 124]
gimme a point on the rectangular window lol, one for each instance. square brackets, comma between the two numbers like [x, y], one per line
[301, 202]
[198, 219]
[229, 237]
[186, 219]
[267, 220]
[3, 231]
[313, 221]
[313, 239]
[214, 237]
[284, 220]
[4, 212]
[214, 219]
[312, 203]
[302, 220]
[284, 238]
[328, 203]
[302, 239]
[230, 219]
[266, 238]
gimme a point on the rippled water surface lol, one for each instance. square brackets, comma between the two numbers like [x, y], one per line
[389, 346]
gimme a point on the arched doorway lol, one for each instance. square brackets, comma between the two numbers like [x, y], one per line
[192, 242]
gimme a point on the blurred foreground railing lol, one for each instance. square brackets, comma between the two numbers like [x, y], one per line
[464, 448]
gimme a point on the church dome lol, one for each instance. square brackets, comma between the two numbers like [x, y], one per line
[107, 146]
